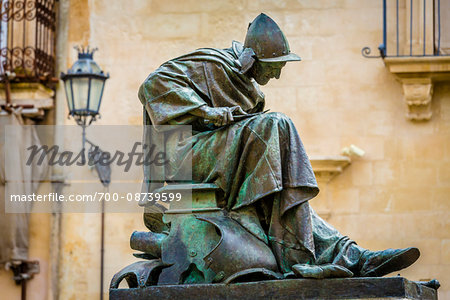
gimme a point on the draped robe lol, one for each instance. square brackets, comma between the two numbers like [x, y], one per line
[260, 157]
[249, 159]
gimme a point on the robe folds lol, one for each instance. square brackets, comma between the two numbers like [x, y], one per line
[258, 162]
[249, 159]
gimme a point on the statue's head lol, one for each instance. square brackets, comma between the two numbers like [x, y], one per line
[271, 49]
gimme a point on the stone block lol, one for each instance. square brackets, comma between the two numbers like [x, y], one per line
[268, 5]
[428, 147]
[360, 75]
[447, 148]
[344, 201]
[309, 22]
[358, 3]
[364, 226]
[312, 98]
[380, 244]
[352, 288]
[424, 225]
[311, 123]
[79, 22]
[443, 224]
[376, 225]
[320, 47]
[346, 223]
[386, 172]
[392, 148]
[232, 27]
[406, 148]
[284, 99]
[302, 46]
[304, 73]
[373, 200]
[418, 173]
[441, 199]
[445, 252]
[344, 180]
[346, 98]
[313, 144]
[321, 204]
[404, 127]
[362, 173]
[444, 174]
[191, 6]
[379, 123]
[172, 26]
[302, 23]
[411, 199]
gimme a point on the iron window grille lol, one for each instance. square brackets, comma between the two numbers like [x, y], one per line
[414, 28]
[27, 40]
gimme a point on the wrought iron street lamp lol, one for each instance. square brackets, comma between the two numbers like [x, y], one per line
[84, 83]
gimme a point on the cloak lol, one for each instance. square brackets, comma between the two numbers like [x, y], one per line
[249, 159]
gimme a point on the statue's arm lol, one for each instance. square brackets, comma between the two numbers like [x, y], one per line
[219, 116]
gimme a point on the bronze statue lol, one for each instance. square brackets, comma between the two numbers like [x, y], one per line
[257, 161]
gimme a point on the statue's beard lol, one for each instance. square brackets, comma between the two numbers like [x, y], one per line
[263, 80]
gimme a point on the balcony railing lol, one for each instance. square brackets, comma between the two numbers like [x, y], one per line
[27, 39]
[414, 28]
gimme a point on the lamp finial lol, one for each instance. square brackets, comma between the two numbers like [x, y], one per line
[85, 52]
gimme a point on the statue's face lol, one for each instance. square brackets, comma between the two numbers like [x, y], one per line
[262, 72]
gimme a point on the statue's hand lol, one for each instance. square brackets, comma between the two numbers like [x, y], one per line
[221, 116]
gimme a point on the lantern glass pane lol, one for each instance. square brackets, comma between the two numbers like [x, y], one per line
[95, 68]
[68, 94]
[80, 92]
[96, 94]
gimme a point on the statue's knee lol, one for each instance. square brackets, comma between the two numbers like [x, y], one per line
[279, 117]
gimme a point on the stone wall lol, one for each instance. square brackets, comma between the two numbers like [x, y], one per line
[397, 195]
[394, 196]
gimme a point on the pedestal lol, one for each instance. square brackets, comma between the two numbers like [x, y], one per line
[349, 288]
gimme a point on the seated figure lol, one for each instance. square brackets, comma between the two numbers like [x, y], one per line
[256, 158]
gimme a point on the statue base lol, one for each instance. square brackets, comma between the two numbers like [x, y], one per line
[348, 288]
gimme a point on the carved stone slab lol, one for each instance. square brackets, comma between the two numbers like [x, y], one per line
[349, 288]
[417, 76]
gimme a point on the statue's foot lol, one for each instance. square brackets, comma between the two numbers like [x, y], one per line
[380, 263]
[320, 272]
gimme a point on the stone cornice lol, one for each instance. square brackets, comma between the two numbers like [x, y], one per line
[435, 67]
[35, 98]
[417, 76]
[327, 167]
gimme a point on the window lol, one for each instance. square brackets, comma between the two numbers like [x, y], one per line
[415, 28]
[27, 39]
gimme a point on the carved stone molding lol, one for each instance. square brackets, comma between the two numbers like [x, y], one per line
[327, 167]
[35, 98]
[417, 76]
[29, 94]
[417, 93]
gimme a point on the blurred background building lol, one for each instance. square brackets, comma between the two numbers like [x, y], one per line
[395, 107]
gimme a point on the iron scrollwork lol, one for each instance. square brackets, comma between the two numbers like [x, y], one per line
[27, 42]
[366, 52]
